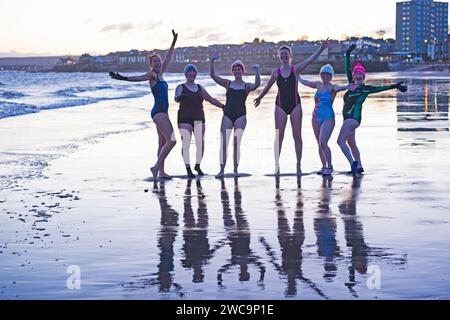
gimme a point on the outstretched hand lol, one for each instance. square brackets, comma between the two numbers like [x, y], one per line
[214, 55]
[117, 76]
[401, 87]
[351, 48]
[175, 36]
[257, 102]
[326, 44]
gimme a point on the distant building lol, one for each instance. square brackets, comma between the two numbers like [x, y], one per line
[66, 61]
[421, 28]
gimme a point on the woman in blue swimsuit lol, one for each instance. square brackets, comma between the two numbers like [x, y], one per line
[323, 116]
[160, 109]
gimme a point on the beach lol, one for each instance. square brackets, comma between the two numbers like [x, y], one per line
[75, 195]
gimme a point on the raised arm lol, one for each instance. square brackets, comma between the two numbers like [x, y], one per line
[169, 53]
[266, 89]
[257, 83]
[348, 70]
[211, 100]
[337, 88]
[145, 77]
[311, 84]
[303, 65]
[212, 71]
[398, 86]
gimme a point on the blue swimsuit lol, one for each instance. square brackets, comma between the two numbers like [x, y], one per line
[324, 106]
[161, 94]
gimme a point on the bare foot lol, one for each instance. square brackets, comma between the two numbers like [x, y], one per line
[220, 175]
[164, 176]
[277, 171]
[154, 171]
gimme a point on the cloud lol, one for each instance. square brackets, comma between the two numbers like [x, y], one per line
[206, 34]
[124, 27]
[120, 27]
[262, 28]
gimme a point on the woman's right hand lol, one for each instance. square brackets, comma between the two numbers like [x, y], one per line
[175, 36]
[117, 76]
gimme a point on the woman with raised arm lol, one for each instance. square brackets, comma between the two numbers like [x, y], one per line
[160, 116]
[235, 111]
[353, 102]
[323, 119]
[288, 102]
[191, 117]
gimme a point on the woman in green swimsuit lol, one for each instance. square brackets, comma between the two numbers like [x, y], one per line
[353, 102]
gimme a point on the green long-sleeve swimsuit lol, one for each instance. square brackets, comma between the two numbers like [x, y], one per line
[353, 100]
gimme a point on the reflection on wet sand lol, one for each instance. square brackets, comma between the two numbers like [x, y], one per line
[163, 278]
[239, 235]
[291, 242]
[197, 251]
[325, 228]
[196, 247]
[354, 237]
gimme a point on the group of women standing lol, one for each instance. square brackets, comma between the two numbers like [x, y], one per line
[191, 117]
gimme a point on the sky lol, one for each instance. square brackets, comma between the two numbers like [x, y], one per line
[60, 27]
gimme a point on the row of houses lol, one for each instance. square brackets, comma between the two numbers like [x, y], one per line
[257, 51]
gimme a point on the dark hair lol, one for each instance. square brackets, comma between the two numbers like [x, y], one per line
[285, 47]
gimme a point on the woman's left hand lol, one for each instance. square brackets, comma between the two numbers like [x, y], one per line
[326, 44]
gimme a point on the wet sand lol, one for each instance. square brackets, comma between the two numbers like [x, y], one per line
[75, 192]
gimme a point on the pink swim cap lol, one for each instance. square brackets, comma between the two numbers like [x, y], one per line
[238, 63]
[359, 68]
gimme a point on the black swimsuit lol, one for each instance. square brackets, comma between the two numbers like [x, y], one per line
[288, 97]
[191, 107]
[235, 106]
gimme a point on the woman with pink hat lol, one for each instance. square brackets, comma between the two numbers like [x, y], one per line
[353, 102]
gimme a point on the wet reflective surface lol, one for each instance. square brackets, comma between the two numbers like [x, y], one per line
[81, 197]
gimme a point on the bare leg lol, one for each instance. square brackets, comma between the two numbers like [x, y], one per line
[165, 128]
[186, 137]
[239, 127]
[316, 129]
[296, 123]
[355, 150]
[348, 128]
[199, 134]
[225, 133]
[161, 143]
[326, 130]
[280, 127]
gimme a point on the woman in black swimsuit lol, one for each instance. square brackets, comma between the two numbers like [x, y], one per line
[191, 117]
[288, 100]
[234, 112]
